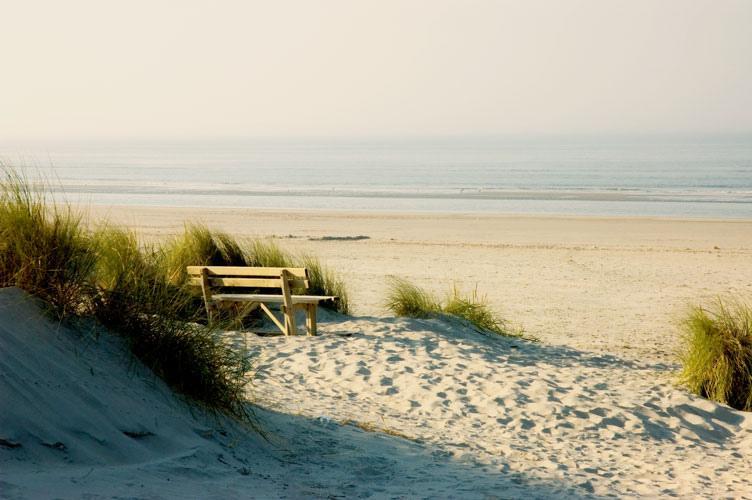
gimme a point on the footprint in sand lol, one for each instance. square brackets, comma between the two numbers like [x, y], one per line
[526, 424]
[601, 412]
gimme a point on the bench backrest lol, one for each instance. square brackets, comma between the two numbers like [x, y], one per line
[248, 277]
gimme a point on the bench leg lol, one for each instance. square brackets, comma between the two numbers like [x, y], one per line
[290, 326]
[282, 327]
[209, 312]
[288, 307]
[311, 319]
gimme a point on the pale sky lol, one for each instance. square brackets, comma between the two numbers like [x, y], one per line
[217, 68]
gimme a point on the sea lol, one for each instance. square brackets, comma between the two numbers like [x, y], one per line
[664, 176]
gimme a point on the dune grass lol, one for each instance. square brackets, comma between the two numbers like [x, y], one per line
[717, 353]
[200, 246]
[324, 281]
[266, 253]
[137, 291]
[406, 299]
[44, 249]
[137, 299]
[474, 309]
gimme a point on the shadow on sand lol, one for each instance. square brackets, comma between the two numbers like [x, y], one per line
[701, 423]
[320, 458]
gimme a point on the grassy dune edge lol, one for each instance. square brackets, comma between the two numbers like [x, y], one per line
[139, 292]
[407, 299]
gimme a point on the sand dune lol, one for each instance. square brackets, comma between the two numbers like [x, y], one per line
[374, 407]
[80, 418]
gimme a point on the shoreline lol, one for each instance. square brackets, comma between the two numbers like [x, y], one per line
[99, 207]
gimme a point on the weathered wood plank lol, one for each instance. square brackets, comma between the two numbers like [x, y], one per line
[249, 282]
[277, 299]
[273, 317]
[261, 272]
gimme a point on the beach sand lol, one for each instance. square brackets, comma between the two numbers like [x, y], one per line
[607, 285]
[384, 407]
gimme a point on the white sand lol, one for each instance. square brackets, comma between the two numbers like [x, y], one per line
[67, 403]
[591, 410]
[604, 424]
[480, 417]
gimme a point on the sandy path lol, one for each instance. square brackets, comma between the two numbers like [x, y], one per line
[614, 285]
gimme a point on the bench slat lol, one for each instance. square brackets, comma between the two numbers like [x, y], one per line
[260, 272]
[250, 282]
[277, 299]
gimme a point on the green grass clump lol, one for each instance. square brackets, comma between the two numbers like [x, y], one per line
[717, 353]
[324, 281]
[200, 246]
[266, 253]
[132, 278]
[47, 251]
[44, 249]
[407, 299]
[138, 300]
[475, 310]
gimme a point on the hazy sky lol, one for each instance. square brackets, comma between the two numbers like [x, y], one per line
[352, 67]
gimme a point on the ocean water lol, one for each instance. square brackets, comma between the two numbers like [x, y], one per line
[705, 177]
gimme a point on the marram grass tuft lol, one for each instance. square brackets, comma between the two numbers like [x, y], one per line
[44, 249]
[407, 299]
[717, 353]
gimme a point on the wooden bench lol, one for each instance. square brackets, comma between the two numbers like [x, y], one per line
[280, 280]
